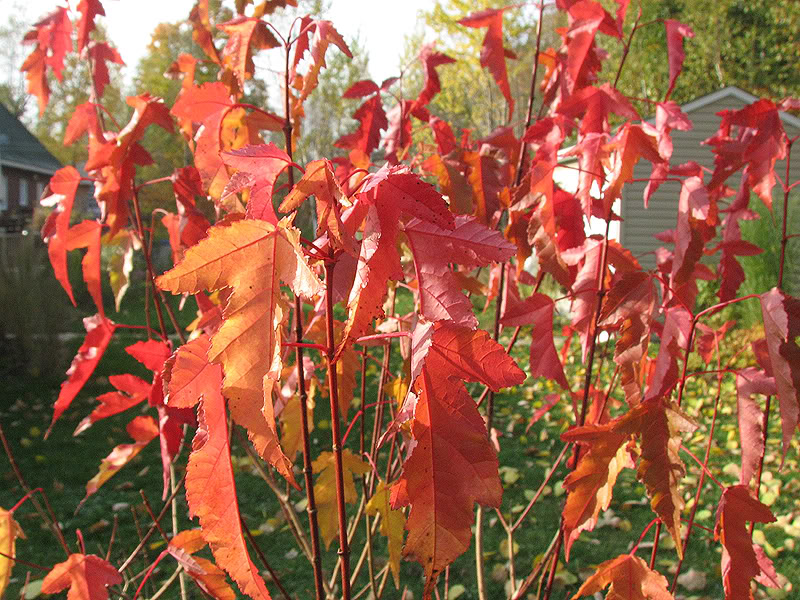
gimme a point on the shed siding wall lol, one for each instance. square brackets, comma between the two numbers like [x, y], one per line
[641, 224]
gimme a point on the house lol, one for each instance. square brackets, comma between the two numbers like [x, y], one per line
[26, 168]
[640, 224]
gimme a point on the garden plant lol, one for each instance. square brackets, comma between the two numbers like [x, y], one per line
[442, 274]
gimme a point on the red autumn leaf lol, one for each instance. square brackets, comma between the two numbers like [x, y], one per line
[432, 86]
[131, 390]
[676, 32]
[260, 167]
[53, 38]
[207, 105]
[657, 424]
[708, 339]
[629, 307]
[371, 119]
[86, 576]
[89, 9]
[188, 373]
[211, 492]
[143, 430]
[246, 36]
[319, 181]
[206, 574]
[674, 340]
[493, 53]
[252, 257]
[84, 119]
[201, 30]
[453, 464]
[98, 334]
[388, 194]
[593, 105]
[87, 235]
[630, 144]
[737, 506]
[470, 244]
[751, 381]
[537, 310]
[101, 53]
[152, 353]
[630, 579]
[63, 185]
[323, 34]
[781, 314]
[753, 136]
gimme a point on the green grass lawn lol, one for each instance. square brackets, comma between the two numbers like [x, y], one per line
[62, 465]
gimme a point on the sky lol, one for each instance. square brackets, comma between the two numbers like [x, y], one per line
[130, 23]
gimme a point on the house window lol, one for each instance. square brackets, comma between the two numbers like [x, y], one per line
[24, 201]
[3, 192]
[39, 189]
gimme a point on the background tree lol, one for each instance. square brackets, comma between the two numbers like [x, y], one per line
[752, 45]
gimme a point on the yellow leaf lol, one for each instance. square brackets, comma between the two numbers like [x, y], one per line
[325, 489]
[393, 524]
[252, 257]
[9, 531]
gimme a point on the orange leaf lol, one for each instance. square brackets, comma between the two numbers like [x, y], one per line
[739, 561]
[143, 429]
[98, 334]
[63, 185]
[9, 531]
[86, 576]
[188, 374]
[453, 464]
[251, 257]
[211, 494]
[630, 579]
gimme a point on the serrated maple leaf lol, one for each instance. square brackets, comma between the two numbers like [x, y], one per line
[89, 9]
[63, 185]
[99, 54]
[131, 390]
[86, 576]
[98, 334]
[211, 492]
[781, 313]
[736, 506]
[453, 465]
[751, 381]
[259, 167]
[591, 484]
[201, 30]
[188, 373]
[759, 142]
[390, 193]
[143, 430]
[325, 489]
[493, 53]
[246, 36]
[320, 181]
[84, 119]
[87, 235]
[392, 526]
[537, 310]
[251, 257]
[676, 33]
[53, 38]
[208, 576]
[657, 424]
[432, 85]
[593, 105]
[630, 144]
[371, 119]
[630, 579]
[9, 532]
[323, 35]
[674, 341]
[469, 244]
[629, 306]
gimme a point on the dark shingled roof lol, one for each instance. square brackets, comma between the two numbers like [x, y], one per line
[19, 148]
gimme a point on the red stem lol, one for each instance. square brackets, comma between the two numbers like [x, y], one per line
[333, 394]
